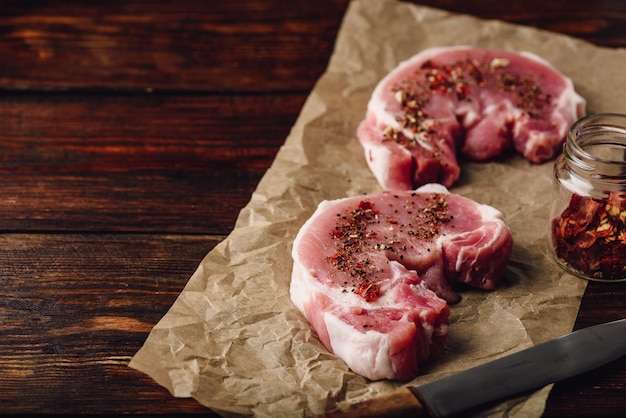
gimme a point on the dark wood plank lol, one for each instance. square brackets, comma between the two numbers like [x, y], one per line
[152, 45]
[599, 22]
[127, 162]
[243, 45]
[74, 309]
[161, 203]
[601, 392]
[135, 133]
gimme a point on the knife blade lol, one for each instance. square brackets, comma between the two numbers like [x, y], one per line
[532, 368]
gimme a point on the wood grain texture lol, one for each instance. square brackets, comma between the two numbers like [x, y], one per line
[600, 22]
[185, 45]
[131, 134]
[261, 46]
[74, 309]
[136, 162]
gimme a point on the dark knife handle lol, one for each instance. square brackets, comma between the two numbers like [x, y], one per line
[401, 403]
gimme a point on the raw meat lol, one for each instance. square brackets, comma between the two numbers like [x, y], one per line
[368, 271]
[460, 100]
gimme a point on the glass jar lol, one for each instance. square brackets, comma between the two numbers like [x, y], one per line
[588, 214]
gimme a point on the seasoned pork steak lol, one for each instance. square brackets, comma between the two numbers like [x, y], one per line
[460, 100]
[371, 273]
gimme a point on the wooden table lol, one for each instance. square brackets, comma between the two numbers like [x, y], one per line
[124, 160]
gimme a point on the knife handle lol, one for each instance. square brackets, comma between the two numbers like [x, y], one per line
[401, 403]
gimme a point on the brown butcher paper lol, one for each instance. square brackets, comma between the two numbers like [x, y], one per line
[234, 341]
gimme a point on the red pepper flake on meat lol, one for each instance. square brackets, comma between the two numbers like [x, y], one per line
[460, 79]
[590, 236]
[365, 229]
[350, 234]
[368, 291]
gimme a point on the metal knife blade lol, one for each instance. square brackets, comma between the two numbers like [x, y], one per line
[533, 368]
[546, 363]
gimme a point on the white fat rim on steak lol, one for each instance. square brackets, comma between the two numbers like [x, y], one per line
[365, 353]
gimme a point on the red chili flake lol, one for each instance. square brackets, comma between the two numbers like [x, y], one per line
[590, 236]
[365, 205]
[368, 291]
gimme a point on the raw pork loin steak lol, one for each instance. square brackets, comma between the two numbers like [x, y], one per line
[368, 271]
[460, 100]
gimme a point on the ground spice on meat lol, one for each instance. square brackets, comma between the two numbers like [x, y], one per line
[358, 231]
[590, 236]
[460, 79]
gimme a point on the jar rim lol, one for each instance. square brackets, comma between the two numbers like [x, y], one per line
[584, 133]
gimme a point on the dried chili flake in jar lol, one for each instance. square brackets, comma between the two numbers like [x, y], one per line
[588, 217]
[590, 236]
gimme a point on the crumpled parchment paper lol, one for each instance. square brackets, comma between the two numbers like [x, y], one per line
[234, 341]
